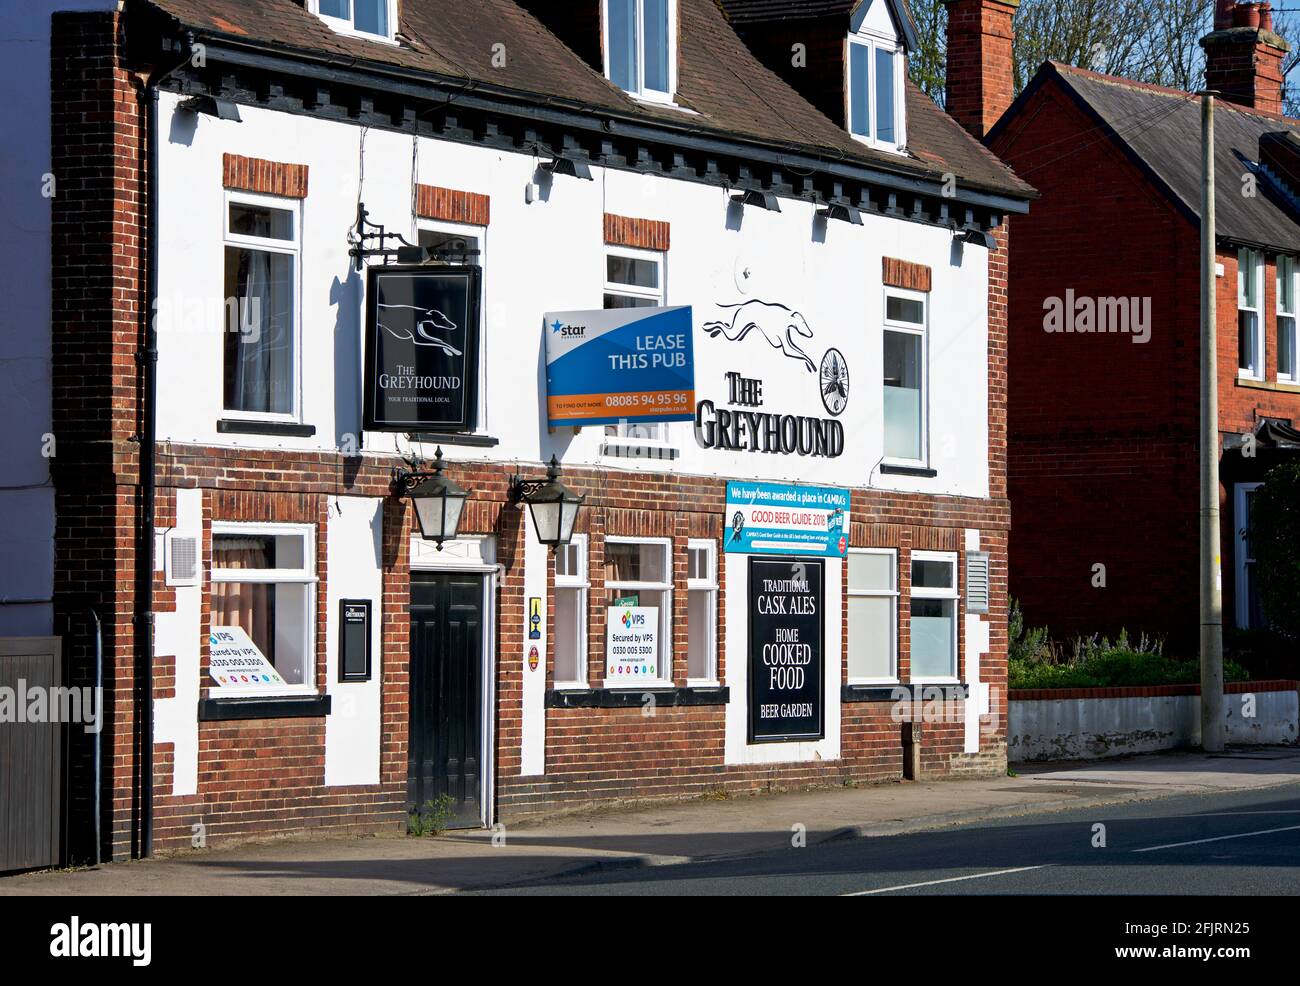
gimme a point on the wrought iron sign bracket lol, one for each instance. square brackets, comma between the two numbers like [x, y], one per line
[371, 240]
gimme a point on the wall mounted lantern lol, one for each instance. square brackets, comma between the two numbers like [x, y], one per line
[845, 213]
[757, 197]
[571, 167]
[205, 105]
[439, 501]
[553, 505]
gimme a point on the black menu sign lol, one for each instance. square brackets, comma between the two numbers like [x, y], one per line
[421, 348]
[354, 639]
[786, 687]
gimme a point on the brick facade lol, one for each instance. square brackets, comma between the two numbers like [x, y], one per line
[980, 82]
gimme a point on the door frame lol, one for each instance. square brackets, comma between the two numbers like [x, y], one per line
[476, 555]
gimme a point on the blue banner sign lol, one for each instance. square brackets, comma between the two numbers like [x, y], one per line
[619, 364]
[779, 519]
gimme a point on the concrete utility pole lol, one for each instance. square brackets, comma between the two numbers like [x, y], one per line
[1211, 572]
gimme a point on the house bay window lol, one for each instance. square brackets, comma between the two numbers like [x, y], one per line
[934, 616]
[638, 573]
[261, 285]
[904, 376]
[641, 47]
[873, 615]
[1286, 316]
[571, 585]
[1250, 339]
[263, 583]
[702, 612]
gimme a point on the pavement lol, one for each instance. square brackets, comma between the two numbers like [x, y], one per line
[600, 845]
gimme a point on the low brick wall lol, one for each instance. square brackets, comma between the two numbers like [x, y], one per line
[1089, 723]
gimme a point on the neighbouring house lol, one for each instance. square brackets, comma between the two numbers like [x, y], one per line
[309, 627]
[1105, 335]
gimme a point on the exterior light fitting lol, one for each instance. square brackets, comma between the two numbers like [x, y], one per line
[573, 168]
[439, 502]
[757, 197]
[553, 505]
[842, 212]
[222, 109]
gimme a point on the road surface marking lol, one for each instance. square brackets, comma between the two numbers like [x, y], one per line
[951, 879]
[1218, 838]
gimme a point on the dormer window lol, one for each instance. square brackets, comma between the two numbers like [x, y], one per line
[880, 33]
[373, 19]
[641, 47]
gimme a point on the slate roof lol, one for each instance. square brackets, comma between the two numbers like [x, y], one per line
[1162, 128]
[734, 95]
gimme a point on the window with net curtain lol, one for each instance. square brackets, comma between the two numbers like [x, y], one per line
[261, 582]
[638, 573]
[261, 256]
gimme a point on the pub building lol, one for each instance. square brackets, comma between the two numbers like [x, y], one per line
[508, 407]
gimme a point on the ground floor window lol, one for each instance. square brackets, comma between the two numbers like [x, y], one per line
[263, 582]
[702, 612]
[571, 587]
[934, 615]
[873, 615]
[639, 573]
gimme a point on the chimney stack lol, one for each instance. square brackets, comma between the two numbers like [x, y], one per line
[980, 83]
[1243, 57]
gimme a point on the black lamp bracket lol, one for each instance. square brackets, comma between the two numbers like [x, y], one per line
[373, 244]
[521, 489]
[404, 480]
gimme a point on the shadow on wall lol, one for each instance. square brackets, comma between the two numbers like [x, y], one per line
[346, 295]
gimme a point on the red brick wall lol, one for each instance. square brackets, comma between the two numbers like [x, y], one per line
[1245, 70]
[980, 83]
[1103, 465]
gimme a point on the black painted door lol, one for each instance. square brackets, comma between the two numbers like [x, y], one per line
[446, 715]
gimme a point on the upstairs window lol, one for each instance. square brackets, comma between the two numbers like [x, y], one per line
[634, 279]
[1286, 316]
[875, 91]
[641, 47]
[375, 19]
[1250, 326]
[906, 436]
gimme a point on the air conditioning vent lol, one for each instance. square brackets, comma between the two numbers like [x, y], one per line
[181, 559]
[977, 582]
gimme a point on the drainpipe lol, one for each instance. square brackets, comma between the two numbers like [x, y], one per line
[148, 362]
[98, 742]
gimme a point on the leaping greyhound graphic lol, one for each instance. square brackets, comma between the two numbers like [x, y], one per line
[426, 320]
[778, 324]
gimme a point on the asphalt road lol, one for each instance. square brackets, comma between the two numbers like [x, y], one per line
[1241, 843]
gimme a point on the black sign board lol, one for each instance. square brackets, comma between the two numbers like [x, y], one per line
[786, 687]
[422, 330]
[354, 640]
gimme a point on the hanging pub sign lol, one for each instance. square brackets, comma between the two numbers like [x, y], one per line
[422, 328]
[779, 519]
[619, 364]
[786, 693]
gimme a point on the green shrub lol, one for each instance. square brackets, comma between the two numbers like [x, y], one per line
[1035, 661]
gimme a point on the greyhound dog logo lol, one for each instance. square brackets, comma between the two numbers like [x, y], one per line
[782, 327]
[427, 321]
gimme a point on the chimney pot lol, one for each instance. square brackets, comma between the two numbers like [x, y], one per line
[1246, 15]
[1223, 14]
[1266, 17]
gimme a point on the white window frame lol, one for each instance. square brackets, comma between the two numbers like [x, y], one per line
[1290, 316]
[276, 576]
[349, 27]
[1240, 494]
[893, 594]
[954, 594]
[707, 585]
[659, 295]
[873, 43]
[581, 582]
[479, 233]
[922, 330]
[1256, 372]
[290, 248]
[665, 611]
[641, 92]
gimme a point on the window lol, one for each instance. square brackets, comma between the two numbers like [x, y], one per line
[873, 615]
[702, 612]
[875, 106]
[1250, 613]
[934, 615]
[375, 19]
[263, 581]
[638, 573]
[904, 383]
[634, 279]
[570, 647]
[1250, 339]
[1286, 332]
[641, 47]
[261, 285]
